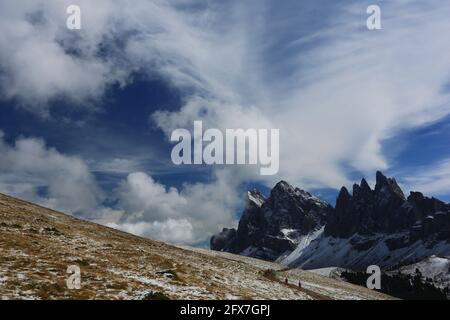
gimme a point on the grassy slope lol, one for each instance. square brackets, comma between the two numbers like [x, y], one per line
[37, 245]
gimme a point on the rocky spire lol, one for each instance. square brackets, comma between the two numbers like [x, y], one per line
[367, 211]
[343, 197]
[388, 186]
[365, 186]
[270, 227]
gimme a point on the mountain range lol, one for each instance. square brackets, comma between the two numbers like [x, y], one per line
[379, 226]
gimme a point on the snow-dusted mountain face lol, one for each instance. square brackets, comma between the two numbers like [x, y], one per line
[272, 227]
[379, 226]
[435, 268]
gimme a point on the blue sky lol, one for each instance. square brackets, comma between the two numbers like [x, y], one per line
[85, 115]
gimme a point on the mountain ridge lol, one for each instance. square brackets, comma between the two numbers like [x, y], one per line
[379, 226]
[274, 224]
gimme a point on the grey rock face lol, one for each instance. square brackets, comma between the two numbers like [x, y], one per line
[270, 227]
[223, 240]
[384, 210]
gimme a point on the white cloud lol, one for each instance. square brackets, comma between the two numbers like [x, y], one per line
[170, 230]
[188, 215]
[335, 92]
[142, 196]
[116, 166]
[434, 180]
[38, 60]
[30, 165]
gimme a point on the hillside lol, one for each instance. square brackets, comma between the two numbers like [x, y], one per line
[38, 244]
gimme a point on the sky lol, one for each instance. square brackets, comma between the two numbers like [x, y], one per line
[86, 115]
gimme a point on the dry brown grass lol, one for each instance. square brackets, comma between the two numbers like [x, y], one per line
[38, 244]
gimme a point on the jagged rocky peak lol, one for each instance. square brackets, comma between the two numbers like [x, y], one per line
[367, 211]
[285, 193]
[388, 186]
[282, 190]
[384, 209]
[343, 195]
[424, 206]
[271, 227]
[385, 187]
[292, 208]
[361, 190]
[283, 185]
[365, 186]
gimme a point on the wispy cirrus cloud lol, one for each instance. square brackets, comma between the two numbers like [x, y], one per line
[432, 180]
[335, 89]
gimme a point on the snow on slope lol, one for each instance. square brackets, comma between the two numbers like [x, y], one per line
[303, 243]
[331, 272]
[324, 252]
[436, 268]
[256, 198]
[315, 284]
